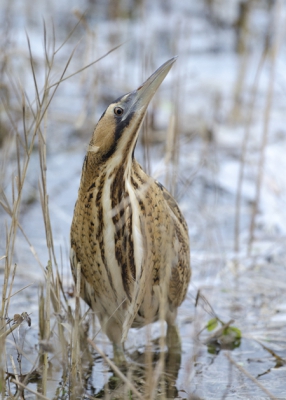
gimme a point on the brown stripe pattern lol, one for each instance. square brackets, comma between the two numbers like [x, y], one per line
[127, 233]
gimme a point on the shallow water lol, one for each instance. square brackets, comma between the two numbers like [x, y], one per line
[204, 371]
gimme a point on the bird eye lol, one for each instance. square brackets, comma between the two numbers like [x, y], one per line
[118, 111]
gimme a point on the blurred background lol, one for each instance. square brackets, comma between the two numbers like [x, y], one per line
[214, 135]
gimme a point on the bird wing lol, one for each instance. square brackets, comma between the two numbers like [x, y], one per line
[181, 270]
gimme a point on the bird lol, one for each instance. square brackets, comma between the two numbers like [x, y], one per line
[128, 235]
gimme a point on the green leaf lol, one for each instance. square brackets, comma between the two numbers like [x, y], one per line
[212, 324]
[232, 331]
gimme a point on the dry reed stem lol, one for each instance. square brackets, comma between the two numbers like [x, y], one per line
[157, 374]
[75, 349]
[243, 154]
[11, 286]
[10, 241]
[14, 368]
[11, 236]
[39, 395]
[115, 369]
[30, 132]
[148, 362]
[61, 335]
[169, 154]
[41, 313]
[47, 328]
[176, 140]
[42, 153]
[264, 140]
[254, 380]
[243, 27]
[10, 330]
[239, 86]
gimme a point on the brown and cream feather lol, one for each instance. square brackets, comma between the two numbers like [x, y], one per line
[128, 233]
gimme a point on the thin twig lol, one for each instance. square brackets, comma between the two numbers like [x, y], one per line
[20, 290]
[115, 369]
[254, 380]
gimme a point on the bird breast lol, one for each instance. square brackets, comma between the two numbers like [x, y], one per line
[126, 236]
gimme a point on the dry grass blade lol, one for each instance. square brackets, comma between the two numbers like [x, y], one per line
[20, 290]
[32, 68]
[87, 66]
[280, 361]
[24, 119]
[71, 33]
[246, 373]
[100, 329]
[10, 116]
[115, 369]
[54, 92]
[9, 247]
[14, 211]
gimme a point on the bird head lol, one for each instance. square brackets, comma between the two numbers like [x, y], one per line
[116, 132]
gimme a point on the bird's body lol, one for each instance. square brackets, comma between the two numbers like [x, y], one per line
[128, 233]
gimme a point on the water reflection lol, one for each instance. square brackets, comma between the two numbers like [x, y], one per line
[150, 372]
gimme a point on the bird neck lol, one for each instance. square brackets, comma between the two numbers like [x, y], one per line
[115, 171]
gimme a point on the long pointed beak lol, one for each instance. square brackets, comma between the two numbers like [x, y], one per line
[141, 97]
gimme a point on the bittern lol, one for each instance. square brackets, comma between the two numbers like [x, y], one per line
[128, 233]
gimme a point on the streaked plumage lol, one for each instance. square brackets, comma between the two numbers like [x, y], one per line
[128, 233]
